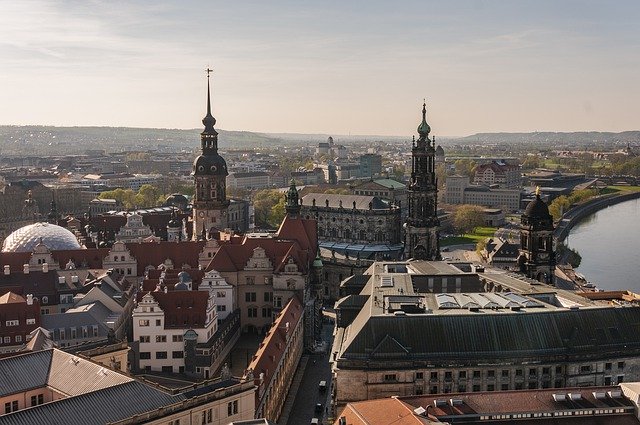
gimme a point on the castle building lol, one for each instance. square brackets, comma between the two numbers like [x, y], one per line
[210, 202]
[537, 257]
[421, 227]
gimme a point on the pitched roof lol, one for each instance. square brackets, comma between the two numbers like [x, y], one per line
[274, 345]
[233, 257]
[99, 407]
[305, 231]
[182, 309]
[381, 412]
[346, 201]
[154, 254]
[11, 298]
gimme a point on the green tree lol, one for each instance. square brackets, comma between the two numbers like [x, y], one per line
[465, 167]
[264, 202]
[559, 206]
[125, 196]
[147, 196]
[468, 217]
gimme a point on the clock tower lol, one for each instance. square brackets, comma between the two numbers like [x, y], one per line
[210, 178]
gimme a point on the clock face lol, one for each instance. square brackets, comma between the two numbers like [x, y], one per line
[201, 214]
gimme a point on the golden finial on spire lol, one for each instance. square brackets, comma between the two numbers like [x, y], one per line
[537, 190]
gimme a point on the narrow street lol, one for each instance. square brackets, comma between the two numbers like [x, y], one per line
[309, 394]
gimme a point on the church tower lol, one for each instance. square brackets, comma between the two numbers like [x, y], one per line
[421, 228]
[292, 201]
[210, 177]
[537, 258]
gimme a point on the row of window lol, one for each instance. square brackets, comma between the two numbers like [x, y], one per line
[29, 321]
[160, 338]
[146, 355]
[83, 332]
[7, 339]
[253, 312]
[145, 322]
[476, 374]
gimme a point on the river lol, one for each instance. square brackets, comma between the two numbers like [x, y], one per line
[609, 243]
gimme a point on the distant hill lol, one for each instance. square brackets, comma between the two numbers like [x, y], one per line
[549, 136]
[51, 140]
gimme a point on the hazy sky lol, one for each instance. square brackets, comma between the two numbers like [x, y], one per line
[334, 67]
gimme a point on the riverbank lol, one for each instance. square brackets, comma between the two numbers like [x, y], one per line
[579, 212]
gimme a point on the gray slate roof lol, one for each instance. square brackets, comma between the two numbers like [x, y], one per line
[477, 336]
[362, 202]
[98, 407]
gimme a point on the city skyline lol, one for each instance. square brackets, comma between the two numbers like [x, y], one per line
[355, 68]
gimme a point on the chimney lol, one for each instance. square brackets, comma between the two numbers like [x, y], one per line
[7, 270]
[45, 268]
[29, 299]
[25, 268]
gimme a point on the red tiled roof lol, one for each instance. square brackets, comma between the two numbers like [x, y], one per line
[233, 257]
[155, 253]
[381, 412]
[182, 309]
[274, 345]
[302, 230]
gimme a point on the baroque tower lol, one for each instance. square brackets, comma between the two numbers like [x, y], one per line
[210, 177]
[421, 228]
[537, 257]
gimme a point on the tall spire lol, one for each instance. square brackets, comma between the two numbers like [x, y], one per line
[423, 128]
[209, 121]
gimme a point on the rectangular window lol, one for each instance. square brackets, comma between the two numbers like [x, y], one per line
[158, 322]
[505, 373]
[518, 372]
[145, 355]
[607, 366]
[390, 377]
[31, 321]
[232, 408]
[268, 297]
[12, 322]
[252, 312]
[221, 294]
[476, 373]
[161, 355]
[266, 312]
[94, 331]
[161, 338]
[419, 375]
[448, 376]
[176, 338]
[434, 375]
[278, 302]
[250, 297]
[491, 374]
[585, 369]
[34, 400]
[221, 307]
[476, 388]
[620, 365]
[145, 338]
[177, 354]
[143, 323]
[7, 408]
[18, 338]
[14, 405]
[491, 387]
[462, 374]
[251, 280]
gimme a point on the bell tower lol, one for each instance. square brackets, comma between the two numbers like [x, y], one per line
[421, 227]
[210, 178]
[537, 257]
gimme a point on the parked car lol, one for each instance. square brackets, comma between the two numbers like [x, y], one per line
[322, 386]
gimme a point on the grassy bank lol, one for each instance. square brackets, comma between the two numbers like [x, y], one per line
[469, 238]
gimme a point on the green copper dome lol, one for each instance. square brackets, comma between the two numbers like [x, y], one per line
[423, 128]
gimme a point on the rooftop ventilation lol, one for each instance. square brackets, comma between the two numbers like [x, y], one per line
[455, 401]
[574, 396]
[439, 403]
[559, 397]
[386, 281]
[614, 394]
[419, 410]
[599, 395]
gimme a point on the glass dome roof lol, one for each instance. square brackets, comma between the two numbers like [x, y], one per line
[26, 238]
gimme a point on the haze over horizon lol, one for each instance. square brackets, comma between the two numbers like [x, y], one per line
[323, 67]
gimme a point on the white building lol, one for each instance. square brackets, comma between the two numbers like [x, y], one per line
[221, 290]
[168, 325]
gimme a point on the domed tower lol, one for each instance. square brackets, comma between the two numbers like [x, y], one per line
[537, 257]
[210, 177]
[292, 204]
[421, 227]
